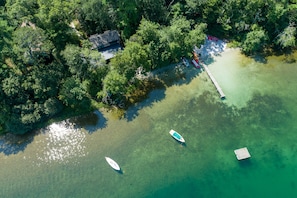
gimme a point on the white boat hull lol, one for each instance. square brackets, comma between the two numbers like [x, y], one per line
[177, 136]
[113, 164]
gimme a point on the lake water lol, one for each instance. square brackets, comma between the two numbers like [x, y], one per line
[66, 159]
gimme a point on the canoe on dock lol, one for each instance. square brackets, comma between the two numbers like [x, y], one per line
[195, 64]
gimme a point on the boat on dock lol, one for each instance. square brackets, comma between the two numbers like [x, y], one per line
[113, 164]
[177, 136]
[195, 63]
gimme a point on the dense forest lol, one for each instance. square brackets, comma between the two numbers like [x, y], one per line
[48, 67]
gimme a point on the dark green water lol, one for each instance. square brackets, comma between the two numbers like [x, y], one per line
[67, 159]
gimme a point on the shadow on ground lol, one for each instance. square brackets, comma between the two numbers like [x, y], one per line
[210, 49]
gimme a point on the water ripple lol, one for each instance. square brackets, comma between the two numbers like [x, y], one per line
[63, 144]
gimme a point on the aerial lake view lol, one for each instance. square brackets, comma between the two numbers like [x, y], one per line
[67, 159]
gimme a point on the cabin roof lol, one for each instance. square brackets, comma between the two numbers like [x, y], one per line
[107, 39]
[107, 43]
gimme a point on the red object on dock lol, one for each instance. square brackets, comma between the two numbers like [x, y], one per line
[195, 64]
[212, 38]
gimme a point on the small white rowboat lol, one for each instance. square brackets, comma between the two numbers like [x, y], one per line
[113, 164]
[176, 136]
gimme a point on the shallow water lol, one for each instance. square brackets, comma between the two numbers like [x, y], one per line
[67, 159]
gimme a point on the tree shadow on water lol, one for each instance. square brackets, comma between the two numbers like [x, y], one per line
[13, 144]
[90, 122]
[267, 111]
[154, 96]
[179, 75]
[260, 58]
[164, 77]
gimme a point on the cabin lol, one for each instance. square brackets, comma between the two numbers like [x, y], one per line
[108, 43]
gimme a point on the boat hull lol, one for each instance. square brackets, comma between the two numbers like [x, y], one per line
[176, 136]
[113, 164]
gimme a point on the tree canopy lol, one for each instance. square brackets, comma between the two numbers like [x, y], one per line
[47, 65]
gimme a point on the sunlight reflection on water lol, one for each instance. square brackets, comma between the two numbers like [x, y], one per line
[63, 142]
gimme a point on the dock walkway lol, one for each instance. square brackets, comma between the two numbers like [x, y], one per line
[211, 47]
[219, 89]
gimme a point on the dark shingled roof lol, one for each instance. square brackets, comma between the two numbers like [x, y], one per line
[108, 38]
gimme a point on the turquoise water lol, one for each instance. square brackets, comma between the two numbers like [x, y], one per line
[67, 159]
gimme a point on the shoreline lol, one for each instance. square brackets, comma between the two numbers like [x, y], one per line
[157, 79]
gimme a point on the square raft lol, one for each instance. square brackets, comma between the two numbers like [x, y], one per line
[242, 153]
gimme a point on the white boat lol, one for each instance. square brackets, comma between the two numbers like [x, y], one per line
[176, 136]
[113, 164]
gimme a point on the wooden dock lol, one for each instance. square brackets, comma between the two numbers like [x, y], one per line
[242, 153]
[219, 89]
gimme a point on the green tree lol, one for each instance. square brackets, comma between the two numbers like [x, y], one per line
[13, 90]
[19, 11]
[127, 15]
[292, 12]
[73, 93]
[276, 18]
[152, 10]
[29, 98]
[195, 37]
[255, 41]
[5, 34]
[174, 36]
[115, 87]
[97, 69]
[22, 113]
[148, 31]
[24, 117]
[52, 106]
[287, 39]
[96, 16]
[132, 57]
[83, 63]
[55, 17]
[203, 10]
[31, 44]
[149, 35]
[75, 60]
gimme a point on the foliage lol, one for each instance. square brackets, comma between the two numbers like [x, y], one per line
[86, 65]
[149, 34]
[152, 10]
[133, 57]
[73, 93]
[91, 15]
[115, 86]
[5, 34]
[31, 44]
[19, 11]
[255, 41]
[287, 38]
[46, 66]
